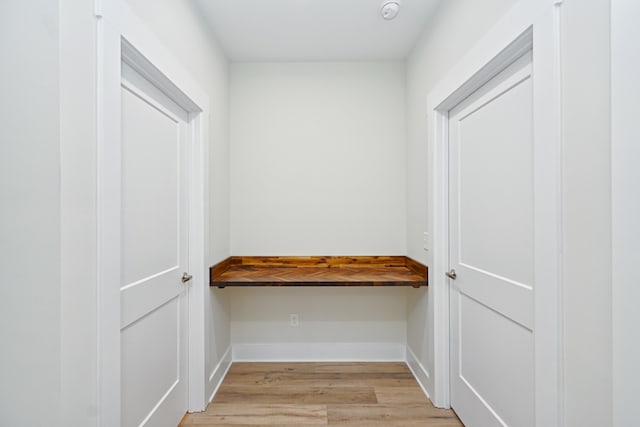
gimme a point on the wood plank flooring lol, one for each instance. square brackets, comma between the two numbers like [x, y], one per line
[321, 394]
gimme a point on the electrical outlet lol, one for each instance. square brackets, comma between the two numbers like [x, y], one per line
[425, 241]
[294, 320]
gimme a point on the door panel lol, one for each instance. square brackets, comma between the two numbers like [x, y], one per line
[491, 249]
[509, 347]
[152, 346]
[496, 186]
[150, 223]
[154, 231]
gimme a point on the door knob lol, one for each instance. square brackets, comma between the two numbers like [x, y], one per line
[452, 274]
[186, 277]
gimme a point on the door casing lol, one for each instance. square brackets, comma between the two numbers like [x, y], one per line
[530, 25]
[123, 38]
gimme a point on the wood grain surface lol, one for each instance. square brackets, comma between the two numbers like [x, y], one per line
[319, 271]
[321, 394]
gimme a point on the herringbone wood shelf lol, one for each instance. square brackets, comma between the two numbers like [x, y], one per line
[319, 271]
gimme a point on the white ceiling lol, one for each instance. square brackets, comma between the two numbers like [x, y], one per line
[314, 30]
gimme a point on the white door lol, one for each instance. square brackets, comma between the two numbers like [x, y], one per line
[491, 226]
[154, 233]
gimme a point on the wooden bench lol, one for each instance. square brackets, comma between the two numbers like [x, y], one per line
[319, 271]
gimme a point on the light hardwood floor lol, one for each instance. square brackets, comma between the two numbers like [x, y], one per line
[320, 394]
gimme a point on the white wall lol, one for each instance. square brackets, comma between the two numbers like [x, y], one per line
[317, 168]
[625, 64]
[48, 206]
[180, 27]
[586, 212]
[317, 158]
[452, 31]
[327, 316]
[30, 329]
[586, 188]
[78, 213]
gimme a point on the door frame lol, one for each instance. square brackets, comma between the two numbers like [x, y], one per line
[530, 24]
[121, 36]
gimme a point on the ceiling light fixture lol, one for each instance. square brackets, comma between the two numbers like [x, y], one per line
[390, 9]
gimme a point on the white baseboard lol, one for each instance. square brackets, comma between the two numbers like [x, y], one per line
[218, 373]
[419, 372]
[320, 352]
